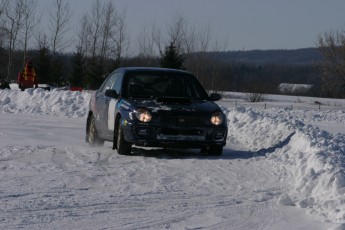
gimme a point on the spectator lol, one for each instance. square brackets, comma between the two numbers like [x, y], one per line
[27, 78]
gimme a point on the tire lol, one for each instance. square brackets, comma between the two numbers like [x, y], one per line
[123, 147]
[92, 137]
[215, 150]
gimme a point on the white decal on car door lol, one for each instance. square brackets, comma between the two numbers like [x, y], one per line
[111, 114]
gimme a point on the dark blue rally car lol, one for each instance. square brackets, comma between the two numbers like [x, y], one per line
[155, 107]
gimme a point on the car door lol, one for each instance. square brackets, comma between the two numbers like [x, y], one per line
[101, 104]
[110, 110]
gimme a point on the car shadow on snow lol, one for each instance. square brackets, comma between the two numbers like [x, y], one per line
[233, 154]
[228, 154]
[169, 153]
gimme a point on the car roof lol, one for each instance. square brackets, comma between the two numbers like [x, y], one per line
[150, 69]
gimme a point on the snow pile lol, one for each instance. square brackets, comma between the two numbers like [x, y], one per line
[61, 103]
[316, 160]
[311, 159]
[255, 130]
[319, 116]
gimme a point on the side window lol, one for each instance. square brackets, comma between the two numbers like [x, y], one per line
[118, 83]
[108, 83]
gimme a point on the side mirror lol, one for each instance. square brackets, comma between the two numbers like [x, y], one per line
[215, 97]
[111, 93]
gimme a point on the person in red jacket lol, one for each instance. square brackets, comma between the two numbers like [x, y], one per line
[27, 78]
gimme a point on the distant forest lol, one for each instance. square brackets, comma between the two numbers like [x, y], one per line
[263, 70]
[258, 71]
[239, 71]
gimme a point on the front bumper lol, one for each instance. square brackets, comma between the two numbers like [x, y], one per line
[174, 136]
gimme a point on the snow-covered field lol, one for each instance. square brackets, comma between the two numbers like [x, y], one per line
[282, 168]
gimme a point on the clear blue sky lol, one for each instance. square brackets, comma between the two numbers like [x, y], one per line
[245, 24]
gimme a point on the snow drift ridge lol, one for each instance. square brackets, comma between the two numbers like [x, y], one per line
[313, 158]
[62, 103]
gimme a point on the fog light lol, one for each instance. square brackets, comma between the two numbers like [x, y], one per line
[219, 136]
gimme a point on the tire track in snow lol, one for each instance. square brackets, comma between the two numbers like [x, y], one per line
[180, 188]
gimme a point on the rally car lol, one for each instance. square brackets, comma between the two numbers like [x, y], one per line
[155, 107]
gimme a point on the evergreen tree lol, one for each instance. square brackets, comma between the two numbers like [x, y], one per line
[94, 74]
[77, 76]
[56, 74]
[43, 66]
[171, 58]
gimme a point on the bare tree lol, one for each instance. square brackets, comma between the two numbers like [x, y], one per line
[114, 42]
[192, 42]
[3, 5]
[150, 42]
[187, 37]
[157, 38]
[42, 41]
[15, 18]
[120, 39]
[105, 32]
[217, 47]
[107, 23]
[95, 26]
[59, 25]
[3, 38]
[145, 44]
[255, 90]
[103, 40]
[332, 47]
[3, 30]
[177, 32]
[30, 22]
[84, 36]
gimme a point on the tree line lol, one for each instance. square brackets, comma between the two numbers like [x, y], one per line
[102, 43]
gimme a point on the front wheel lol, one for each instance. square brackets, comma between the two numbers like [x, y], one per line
[123, 147]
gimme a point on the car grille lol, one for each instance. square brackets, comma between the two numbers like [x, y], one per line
[185, 132]
[172, 134]
[181, 120]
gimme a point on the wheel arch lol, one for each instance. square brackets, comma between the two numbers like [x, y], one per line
[90, 114]
[117, 122]
[116, 130]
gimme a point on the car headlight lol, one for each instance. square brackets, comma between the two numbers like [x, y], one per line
[217, 118]
[143, 115]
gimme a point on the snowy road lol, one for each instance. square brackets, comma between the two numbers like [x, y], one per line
[278, 171]
[51, 179]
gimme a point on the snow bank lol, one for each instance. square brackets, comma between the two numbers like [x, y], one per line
[61, 103]
[313, 159]
[255, 130]
[316, 159]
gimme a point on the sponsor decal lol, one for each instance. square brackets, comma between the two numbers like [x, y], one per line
[124, 122]
[125, 104]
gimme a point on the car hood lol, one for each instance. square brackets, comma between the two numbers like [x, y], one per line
[167, 106]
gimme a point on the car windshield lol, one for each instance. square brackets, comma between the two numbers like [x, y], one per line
[164, 85]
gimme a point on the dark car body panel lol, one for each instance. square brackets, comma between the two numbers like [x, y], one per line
[176, 121]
